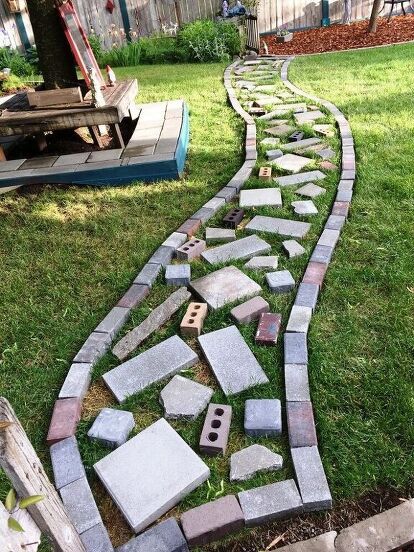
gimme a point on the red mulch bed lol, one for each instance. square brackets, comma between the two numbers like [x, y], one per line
[345, 37]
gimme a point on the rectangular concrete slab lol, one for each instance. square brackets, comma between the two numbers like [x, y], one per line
[322, 543]
[231, 360]
[311, 479]
[261, 197]
[224, 286]
[157, 363]
[245, 248]
[214, 235]
[282, 227]
[274, 501]
[151, 473]
[301, 178]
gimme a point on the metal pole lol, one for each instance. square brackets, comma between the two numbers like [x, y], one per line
[325, 14]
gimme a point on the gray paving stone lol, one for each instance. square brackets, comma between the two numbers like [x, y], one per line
[151, 473]
[274, 154]
[307, 295]
[148, 274]
[300, 144]
[245, 248]
[228, 193]
[178, 275]
[280, 130]
[347, 185]
[263, 417]
[112, 427]
[113, 321]
[293, 248]
[275, 501]
[295, 348]
[306, 207]
[153, 365]
[166, 536]
[283, 227]
[250, 310]
[270, 141]
[66, 462]
[326, 153]
[325, 130]
[94, 348]
[301, 423]
[291, 162]
[214, 235]
[260, 197]
[389, 531]
[335, 222]
[175, 240]
[294, 179]
[154, 320]
[246, 463]
[77, 381]
[264, 262]
[204, 214]
[162, 256]
[344, 195]
[308, 117]
[322, 254]
[297, 383]
[280, 281]
[322, 543]
[224, 286]
[71, 159]
[215, 203]
[96, 538]
[104, 155]
[231, 360]
[80, 505]
[329, 238]
[299, 319]
[311, 479]
[185, 399]
[11, 165]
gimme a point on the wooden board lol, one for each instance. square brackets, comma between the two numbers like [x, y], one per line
[46, 98]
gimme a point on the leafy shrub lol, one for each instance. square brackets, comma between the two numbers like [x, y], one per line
[160, 49]
[206, 40]
[16, 62]
[12, 83]
[126, 55]
[96, 46]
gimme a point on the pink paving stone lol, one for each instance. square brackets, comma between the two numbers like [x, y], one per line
[340, 208]
[268, 328]
[250, 310]
[134, 296]
[191, 249]
[212, 521]
[328, 166]
[315, 273]
[65, 418]
[301, 424]
[189, 227]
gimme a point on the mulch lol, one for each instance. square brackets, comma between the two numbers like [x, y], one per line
[345, 37]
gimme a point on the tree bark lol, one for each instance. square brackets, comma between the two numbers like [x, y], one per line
[372, 27]
[55, 57]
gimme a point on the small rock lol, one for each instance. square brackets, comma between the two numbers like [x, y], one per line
[245, 463]
[183, 398]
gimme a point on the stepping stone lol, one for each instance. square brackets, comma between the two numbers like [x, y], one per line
[326, 153]
[293, 248]
[185, 399]
[193, 320]
[66, 462]
[291, 162]
[313, 149]
[280, 130]
[304, 207]
[311, 478]
[324, 130]
[308, 117]
[212, 521]
[299, 319]
[250, 310]
[274, 154]
[267, 101]
[245, 248]
[177, 275]
[300, 144]
[214, 235]
[151, 473]
[310, 190]
[231, 360]
[263, 418]
[112, 427]
[328, 166]
[297, 383]
[270, 141]
[275, 501]
[267, 88]
[260, 197]
[166, 536]
[96, 539]
[155, 364]
[155, 320]
[80, 505]
[301, 424]
[246, 463]
[282, 227]
[248, 85]
[280, 282]
[294, 179]
[276, 122]
[224, 286]
[296, 107]
[262, 262]
[295, 348]
[322, 543]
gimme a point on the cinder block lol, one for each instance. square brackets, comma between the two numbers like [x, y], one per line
[265, 173]
[191, 249]
[301, 424]
[268, 329]
[134, 296]
[250, 310]
[296, 136]
[212, 521]
[189, 227]
[65, 418]
[192, 323]
[233, 218]
[215, 432]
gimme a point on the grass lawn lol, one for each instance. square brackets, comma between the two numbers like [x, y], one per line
[68, 255]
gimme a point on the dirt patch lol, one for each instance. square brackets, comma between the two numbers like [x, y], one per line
[345, 37]
[98, 397]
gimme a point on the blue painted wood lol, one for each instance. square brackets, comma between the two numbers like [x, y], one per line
[125, 19]
[22, 30]
[183, 141]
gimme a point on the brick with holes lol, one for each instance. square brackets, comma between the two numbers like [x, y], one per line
[215, 432]
[191, 249]
[265, 173]
[192, 323]
[233, 218]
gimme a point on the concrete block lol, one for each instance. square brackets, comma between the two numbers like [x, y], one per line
[214, 235]
[329, 238]
[191, 249]
[216, 428]
[227, 193]
[341, 208]
[77, 381]
[263, 418]
[265, 173]
[96, 539]
[244, 248]
[112, 427]
[268, 329]
[162, 256]
[301, 178]
[322, 254]
[204, 214]
[299, 319]
[280, 282]
[335, 222]
[65, 418]
[177, 275]
[295, 348]
[322, 543]
[80, 505]
[282, 227]
[315, 273]
[215, 203]
[311, 479]
[192, 323]
[246, 463]
[297, 383]
[293, 248]
[301, 425]
[176, 240]
[148, 274]
[113, 321]
[250, 310]
[66, 462]
[134, 296]
[166, 536]
[94, 348]
[260, 197]
[185, 399]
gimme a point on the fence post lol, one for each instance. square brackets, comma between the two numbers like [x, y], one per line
[325, 14]
[27, 476]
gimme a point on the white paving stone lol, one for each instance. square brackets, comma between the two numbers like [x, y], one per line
[293, 248]
[246, 463]
[291, 162]
[308, 117]
[283, 227]
[280, 130]
[306, 207]
[262, 262]
[310, 190]
[294, 179]
[183, 398]
[299, 319]
[260, 197]
[214, 235]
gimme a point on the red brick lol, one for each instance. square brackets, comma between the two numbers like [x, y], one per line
[134, 296]
[189, 227]
[301, 424]
[216, 428]
[315, 273]
[268, 328]
[212, 521]
[340, 208]
[65, 418]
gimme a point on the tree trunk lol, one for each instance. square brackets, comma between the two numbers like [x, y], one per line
[372, 27]
[55, 57]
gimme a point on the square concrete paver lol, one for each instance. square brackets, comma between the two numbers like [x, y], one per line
[291, 162]
[183, 398]
[151, 473]
[261, 197]
[224, 286]
[280, 281]
[112, 427]
[263, 417]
